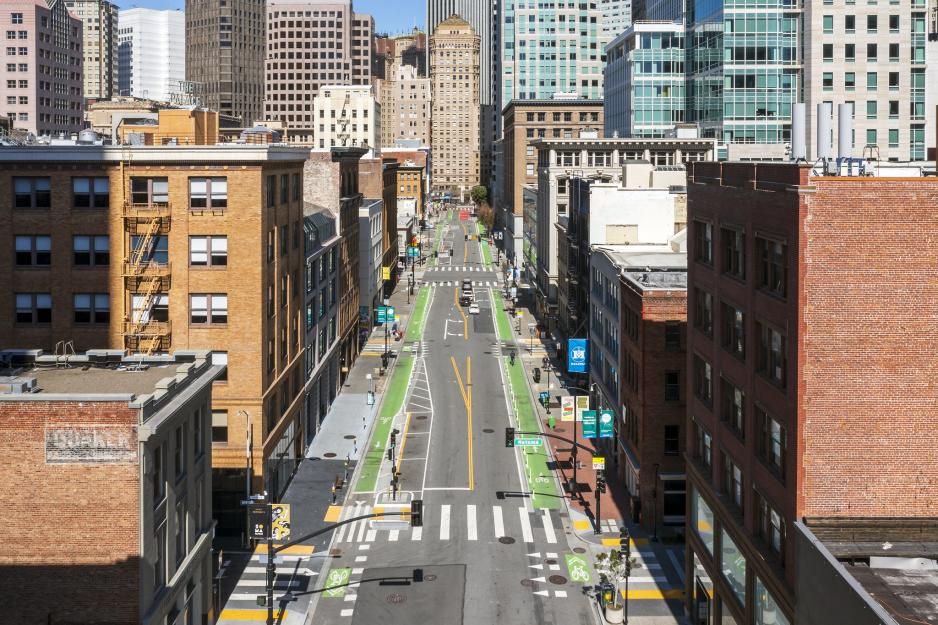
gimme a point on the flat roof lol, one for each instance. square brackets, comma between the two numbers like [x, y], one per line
[96, 380]
[906, 591]
[649, 266]
[154, 154]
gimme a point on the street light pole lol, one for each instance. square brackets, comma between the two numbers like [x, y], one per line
[654, 494]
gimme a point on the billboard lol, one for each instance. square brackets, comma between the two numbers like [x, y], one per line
[576, 355]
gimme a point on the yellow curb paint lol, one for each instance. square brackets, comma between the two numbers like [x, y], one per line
[652, 593]
[581, 525]
[332, 514]
[249, 615]
[614, 542]
[295, 550]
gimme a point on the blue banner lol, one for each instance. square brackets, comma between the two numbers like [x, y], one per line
[576, 355]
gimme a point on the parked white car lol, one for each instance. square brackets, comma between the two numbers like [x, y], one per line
[474, 309]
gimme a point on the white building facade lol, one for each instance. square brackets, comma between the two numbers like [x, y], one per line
[371, 254]
[152, 54]
[347, 116]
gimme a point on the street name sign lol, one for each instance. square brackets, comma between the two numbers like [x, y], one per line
[527, 442]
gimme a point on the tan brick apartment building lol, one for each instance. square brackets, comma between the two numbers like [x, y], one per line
[154, 249]
[115, 524]
[811, 356]
[454, 118]
[523, 122]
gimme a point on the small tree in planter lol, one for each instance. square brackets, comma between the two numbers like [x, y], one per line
[613, 568]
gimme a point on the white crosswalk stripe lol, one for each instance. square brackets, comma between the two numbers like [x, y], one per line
[444, 522]
[416, 533]
[499, 522]
[471, 522]
[526, 532]
[549, 528]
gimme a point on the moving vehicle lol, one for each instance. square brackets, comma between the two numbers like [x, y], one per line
[473, 309]
[466, 295]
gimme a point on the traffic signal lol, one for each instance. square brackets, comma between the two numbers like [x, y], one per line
[600, 481]
[509, 437]
[416, 513]
[393, 437]
[625, 548]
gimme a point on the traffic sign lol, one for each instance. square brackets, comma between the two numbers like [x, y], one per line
[589, 424]
[606, 420]
[599, 463]
[413, 252]
[527, 442]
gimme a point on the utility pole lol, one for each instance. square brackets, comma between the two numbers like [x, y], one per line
[600, 489]
[271, 569]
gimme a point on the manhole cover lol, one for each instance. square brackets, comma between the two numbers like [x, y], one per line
[527, 583]
[395, 598]
[429, 578]
[551, 561]
[488, 430]
[329, 454]
[579, 550]
[421, 417]
[557, 579]
[349, 437]
[506, 540]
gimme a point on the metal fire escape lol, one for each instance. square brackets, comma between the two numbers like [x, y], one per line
[145, 280]
[343, 135]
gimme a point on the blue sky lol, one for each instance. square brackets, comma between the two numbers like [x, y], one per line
[391, 16]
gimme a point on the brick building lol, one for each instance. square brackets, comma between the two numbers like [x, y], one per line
[111, 457]
[811, 371]
[146, 249]
[378, 180]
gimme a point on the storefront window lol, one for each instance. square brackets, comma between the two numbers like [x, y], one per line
[733, 565]
[703, 520]
[703, 592]
[767, 611]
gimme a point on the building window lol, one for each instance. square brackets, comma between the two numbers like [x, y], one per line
[734, 252]
[91, 192]
[157, 477]
[158, 310]
[773, 266]
[32, 193]
[208, 309]
[702, 519]
[672, 386]
[733, 566]
[221, 358]
[771, 360]
[703, 380]
[198, 442]
[159, 566]
[672, 440]
[733, 331]
[180, 532]
[703, 242]
[91, 250]
[270, 245]
[284, 188]
[150, 250]
[208, 193]
[703, 446]
[179, 452]
[827, 81]
[770, 526]
[271, 191]
[871, 81]
[732, 406]
[767, 610]
[672, 336]
[149, 191]
[733, 482]
[33, 308]
[703, 311]
[219, 426]
[772, 442]
[33, 250]
[297, 187]
[92, 308]
[208, 251]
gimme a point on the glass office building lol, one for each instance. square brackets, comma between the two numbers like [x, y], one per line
[743, 68]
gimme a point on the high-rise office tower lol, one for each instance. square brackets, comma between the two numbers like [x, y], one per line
[39, 102]
[870, 56]
[454, 123]
[743, 73]
[152, 53]
[310, 44]
[99, 29]
[225, 55]
[617, 16]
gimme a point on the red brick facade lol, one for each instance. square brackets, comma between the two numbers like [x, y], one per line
[848, 334]
[75, 554]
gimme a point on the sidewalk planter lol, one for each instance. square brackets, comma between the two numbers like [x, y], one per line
[614, 614]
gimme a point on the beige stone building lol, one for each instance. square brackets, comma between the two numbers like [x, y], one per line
[99, 29]
[346, 116]
[405, 106]
[454, 121]
[167, 248]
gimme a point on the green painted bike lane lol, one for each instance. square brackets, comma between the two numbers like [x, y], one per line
[541, 482]
[395, 392]
[486, 253]
[418, 318]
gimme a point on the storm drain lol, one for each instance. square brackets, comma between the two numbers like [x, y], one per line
[557, 579]
[506, 540]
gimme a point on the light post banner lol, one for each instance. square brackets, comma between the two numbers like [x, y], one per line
[582, 403]
[589, 424]
[605, 423]
[280, 525]
[576, 355]
[567, 408]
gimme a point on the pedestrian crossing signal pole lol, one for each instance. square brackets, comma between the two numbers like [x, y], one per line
[625, 552]
[271, 570]
[600, 489]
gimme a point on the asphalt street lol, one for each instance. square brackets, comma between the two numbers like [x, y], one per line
[486, 554]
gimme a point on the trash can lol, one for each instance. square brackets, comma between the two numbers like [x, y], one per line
[537, 375]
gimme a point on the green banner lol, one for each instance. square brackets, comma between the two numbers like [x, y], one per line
[578, 568]
[589, 424]
[336, 582]
[606, 420]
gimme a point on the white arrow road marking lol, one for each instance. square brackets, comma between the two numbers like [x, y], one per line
[308, 572]
[536, 554]
[540, 579]
[543, 593]
[536, 566]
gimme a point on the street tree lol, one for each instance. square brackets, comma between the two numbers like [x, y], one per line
[614, 568]
[479, 194]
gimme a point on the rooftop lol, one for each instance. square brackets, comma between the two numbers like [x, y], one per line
[159, 154]
[92, 379]
[649, 266]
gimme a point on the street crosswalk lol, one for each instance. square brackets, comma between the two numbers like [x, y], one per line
[375, 346]
[293, 575]
[459, 282]
[445, 522]
[459, 268]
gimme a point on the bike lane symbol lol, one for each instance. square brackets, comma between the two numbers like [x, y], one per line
[578, 568]
[336, 582]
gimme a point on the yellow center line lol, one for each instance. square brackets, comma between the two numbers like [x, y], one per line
[467, 400]
[465, 249]
[400, 455]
